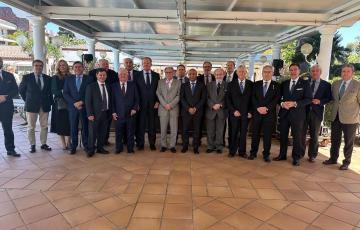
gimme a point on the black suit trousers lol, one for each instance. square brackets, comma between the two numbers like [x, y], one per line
[97, 131]
[146, 118]
[312, 123]
[195, 121]
[125, 130]
[296, 126]
[239, 127]
[349, 130]
[265, 124]
[6, 117]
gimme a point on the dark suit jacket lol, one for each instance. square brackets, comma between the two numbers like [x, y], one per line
[270, 100]
[323, 93]
[111, 78]
[147, 95]
[70, 92]
[93, 100]
[202, 78]
[302, 95]
[235, 76]
[183, 80]
[122, 105]
[239, 101]
[8, 87]
[197, 100]
[33, 96]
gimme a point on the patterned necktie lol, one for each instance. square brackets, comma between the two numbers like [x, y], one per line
[123, 88]
[265, 87]
[218, 88]
[78, 82]
[129, 76]
[342, 90]
[292, 86]
[241, 86]
[193, 88]
[39, 82]
[104, 99]
[148, 79]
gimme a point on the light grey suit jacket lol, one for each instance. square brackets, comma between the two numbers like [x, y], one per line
[213, 98]
[169, 96]
[349, 105]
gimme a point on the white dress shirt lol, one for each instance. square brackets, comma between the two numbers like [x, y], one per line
[106, 92]
[291, 82]
[125, 85]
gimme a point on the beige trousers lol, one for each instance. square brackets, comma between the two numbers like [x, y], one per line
[31, 120]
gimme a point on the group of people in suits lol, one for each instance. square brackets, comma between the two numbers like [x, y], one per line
[185, 103]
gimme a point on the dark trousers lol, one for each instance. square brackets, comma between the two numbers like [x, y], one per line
[97, 131]
[76, 116]
[239, 128]
[6, 118]
[312, 123]
[108, 131]
[349, 130]
[146, 118]
[195, 121]
[265, 124]
[296, 126]
[125, 129]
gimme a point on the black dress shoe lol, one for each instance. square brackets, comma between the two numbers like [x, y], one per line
[140, 147]
[311, 159]
[219, 151]
[173, 150]
[184, 149]
[209, 150]
[243, 155]
[107, 143]
[152, 147]
[329, 162]
[344, 167]
[72, 151]
[13, 153]
[45, 147]
[267, 159]
[131, 151]
[102, 151]
[296, 162]
[251, 157]
[279, 158]
[32, 149]
[196, 151]
[163, 149]
[231, 155]
[90, 153]
[118, 151]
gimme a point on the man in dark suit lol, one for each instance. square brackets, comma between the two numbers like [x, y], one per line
[230, 74]
[321, 95]
[181, 74]
[207, 76]
[239, 95]
[125, 104]
[129, 66]
[147, 82]
[111, 78]
[266, 94]
[74, 94]
[97, 104]
[193, 99]
[35, 90]
[8, 90]
[295, 96]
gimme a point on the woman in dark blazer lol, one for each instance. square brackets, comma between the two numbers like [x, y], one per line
[60, 118]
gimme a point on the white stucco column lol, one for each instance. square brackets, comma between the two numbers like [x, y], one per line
[116, 53]
[251, 66]
[323, 59]
[39, 47]
[276, 51]
[90, 44]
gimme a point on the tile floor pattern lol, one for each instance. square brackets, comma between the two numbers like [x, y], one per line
[153, 190]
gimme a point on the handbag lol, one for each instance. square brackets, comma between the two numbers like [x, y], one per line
[60, 103]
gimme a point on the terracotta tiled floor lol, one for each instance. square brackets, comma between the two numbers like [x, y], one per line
[153, 190]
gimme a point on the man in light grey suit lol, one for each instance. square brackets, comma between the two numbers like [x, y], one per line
[345, 115]
[216, 112]
[168, 92]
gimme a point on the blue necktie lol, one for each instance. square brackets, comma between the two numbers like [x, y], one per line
[292, 87]
[193, 88]
[78, 82]
[148, 79]
[241, 86]
[265, 88]
[342, 90]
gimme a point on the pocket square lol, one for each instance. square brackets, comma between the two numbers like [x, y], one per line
[299, 89]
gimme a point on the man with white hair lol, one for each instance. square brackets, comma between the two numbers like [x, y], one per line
[321, 95]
